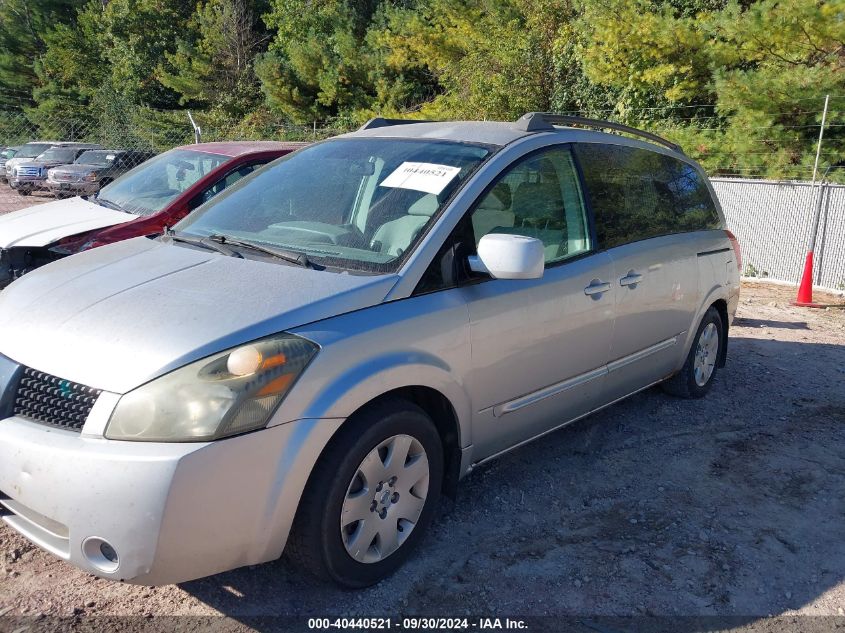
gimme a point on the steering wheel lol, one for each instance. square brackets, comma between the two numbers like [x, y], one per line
[355, 238]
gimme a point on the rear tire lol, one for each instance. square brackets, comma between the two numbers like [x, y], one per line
[697, 375]
[358, 476]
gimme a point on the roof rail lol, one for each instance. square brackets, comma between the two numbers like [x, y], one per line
[382, 122]
[545, 121]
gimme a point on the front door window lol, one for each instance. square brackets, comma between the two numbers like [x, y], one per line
[540, 197]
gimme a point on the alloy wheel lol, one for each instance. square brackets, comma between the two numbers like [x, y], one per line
[705, 354]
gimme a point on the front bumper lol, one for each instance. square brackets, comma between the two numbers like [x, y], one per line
[77, 187]
[172, 512]
[17, 182]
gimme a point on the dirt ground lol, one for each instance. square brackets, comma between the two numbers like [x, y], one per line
[11, 200]
[730, 505]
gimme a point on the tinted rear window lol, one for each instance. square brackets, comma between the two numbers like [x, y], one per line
[637, 194]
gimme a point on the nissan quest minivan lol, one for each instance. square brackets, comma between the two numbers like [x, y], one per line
[310, 359]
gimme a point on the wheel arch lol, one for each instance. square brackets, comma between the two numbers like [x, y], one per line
[438, 407]
[714, 299]
[441, 411]
[721, 307]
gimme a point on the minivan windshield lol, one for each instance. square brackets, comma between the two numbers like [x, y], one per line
[97, 157]
[153, 185]
[357, 203]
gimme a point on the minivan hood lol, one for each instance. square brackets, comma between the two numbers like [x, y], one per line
[45, 223]
[118, 316]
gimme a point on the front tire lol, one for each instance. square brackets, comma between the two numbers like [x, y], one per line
[697, 375]
[371, 496]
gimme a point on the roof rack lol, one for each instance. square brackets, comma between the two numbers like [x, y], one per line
[382, 122]
[545, 121]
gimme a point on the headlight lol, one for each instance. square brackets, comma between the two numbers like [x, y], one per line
[50, 173]
[229, 393]
[91, 177]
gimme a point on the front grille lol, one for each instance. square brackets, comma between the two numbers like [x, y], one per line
[54, 401]
[31, 172]
[63, 176]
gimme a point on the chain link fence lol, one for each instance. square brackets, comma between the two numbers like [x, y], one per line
[144, 131]
[772, 219]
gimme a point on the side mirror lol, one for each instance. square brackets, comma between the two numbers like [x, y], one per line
[506, 256]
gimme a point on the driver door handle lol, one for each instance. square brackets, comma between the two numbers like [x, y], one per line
[631, 279]
[596, 287]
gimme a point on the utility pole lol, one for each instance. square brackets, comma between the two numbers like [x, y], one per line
[805, 287]
[197, 130]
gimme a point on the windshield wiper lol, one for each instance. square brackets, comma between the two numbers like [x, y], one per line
[294, 257]
[103, 202]
[205, 242]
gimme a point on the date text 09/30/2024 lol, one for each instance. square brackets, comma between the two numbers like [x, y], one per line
[417, 623]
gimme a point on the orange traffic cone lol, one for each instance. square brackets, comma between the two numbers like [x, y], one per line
[805, 289]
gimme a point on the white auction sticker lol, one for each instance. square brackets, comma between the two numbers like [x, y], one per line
[426, 177]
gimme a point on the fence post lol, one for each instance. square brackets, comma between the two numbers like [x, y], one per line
[825, 196]
[197, 130]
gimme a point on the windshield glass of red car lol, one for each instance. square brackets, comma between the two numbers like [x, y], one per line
[153, 185]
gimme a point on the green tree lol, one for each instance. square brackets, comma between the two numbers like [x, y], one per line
[214, 68]
[137, 35]
[762, 69]
[489, 59]
[23, 26]
[69, 74]
[317, 66]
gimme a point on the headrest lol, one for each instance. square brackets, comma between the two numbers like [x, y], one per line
[538, 198]
[427, 206]
[499, 198]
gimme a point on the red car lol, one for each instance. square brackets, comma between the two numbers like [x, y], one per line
[143, 201]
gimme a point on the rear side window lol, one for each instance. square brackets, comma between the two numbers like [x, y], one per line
[637, 194]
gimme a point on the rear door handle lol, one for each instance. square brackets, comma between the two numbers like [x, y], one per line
[596, 287]
[631, 279]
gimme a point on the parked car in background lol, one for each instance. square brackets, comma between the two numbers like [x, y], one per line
[28, 151]
[142, 201]
[31, 175]
[6, 154]
[313, 357]
[92, 170]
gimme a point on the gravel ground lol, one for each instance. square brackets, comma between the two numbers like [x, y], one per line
[730, 505]
[11, 200]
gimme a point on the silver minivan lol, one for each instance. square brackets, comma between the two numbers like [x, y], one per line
[309, 360]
